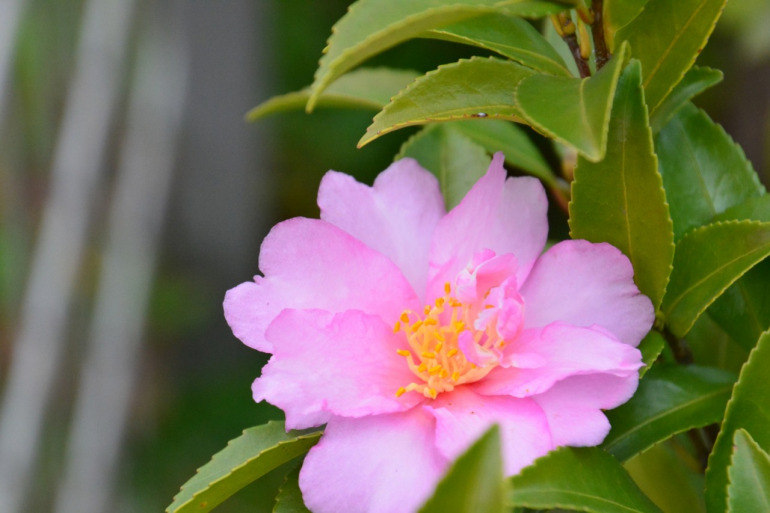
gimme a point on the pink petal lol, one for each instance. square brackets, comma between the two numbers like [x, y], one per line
[567, 351]
[582, 284]
[574, 406]
[344, 363]
[312, 264]
[506, 216]
[462, 416]
[380, 464]
[396, 216]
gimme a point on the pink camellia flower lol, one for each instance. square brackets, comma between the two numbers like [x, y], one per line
[409, 331]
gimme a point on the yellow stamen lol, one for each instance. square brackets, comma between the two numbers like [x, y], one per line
[403, 352]
[397, 327]
[438, 347]
[428, 354]
[404, 317]
[401, 391]
[447, 287]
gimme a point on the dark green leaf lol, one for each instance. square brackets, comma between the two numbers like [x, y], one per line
[572, 110]
[667, 37]
[749, 476]
[749, 408]
[618, 14]
[469, 88]
[651, 346]
[537, 8]
[712, 347]
[707, 261]
[245, 459]
[367, 88]
[457, 161]
[509, 36]
[289, 499]
[371, 26]
[620, 199]
[704, 171]
[474, 483]
[583, 479]
[695, 81]
[670, 399]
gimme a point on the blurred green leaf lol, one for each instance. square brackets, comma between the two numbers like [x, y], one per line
[707, 261]
[474, 483]
[583, 479]
[537, 8]
[620, 199]
[704, 171]
[289, 499]
[670, 477]
[670, 399]
[667, 37]
[618, 14]
[245, 459]
[651, 346]
[476, 87]
[748, 475]
[371, 26]
[509, 36]
[457, 161]
[573, 111]
[366, 88]
[749, 408]
[695, 81]
[712, 347]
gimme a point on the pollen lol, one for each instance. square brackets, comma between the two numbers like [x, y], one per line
[434, 355]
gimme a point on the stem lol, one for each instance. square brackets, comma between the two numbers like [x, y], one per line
[566, 29]
[597, 29]
[682, 353]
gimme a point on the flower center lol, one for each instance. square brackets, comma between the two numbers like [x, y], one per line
[448, 346]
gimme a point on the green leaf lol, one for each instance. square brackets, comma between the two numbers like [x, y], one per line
[651, 346]
[749, 476]
[695, 81]
[245, 459]
[289, 499]
[536, 8]
[477, 87]
[712, 347]
[367, 88]
[667, 37]
[749, 408]
[756, 208]
[457, 161]
[371, 26]
[573, 111]
[707, 261]
[670, 399]
[704, 171]
[496, 135]
[583, 479]
[509, 36]
[620, 199]
[474, 483]
[618, 14]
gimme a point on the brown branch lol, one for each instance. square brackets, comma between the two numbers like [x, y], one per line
[566, 29]
[597, 30]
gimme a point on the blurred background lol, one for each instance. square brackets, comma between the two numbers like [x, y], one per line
[133, 195]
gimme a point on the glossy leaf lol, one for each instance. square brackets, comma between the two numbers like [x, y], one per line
[618, 14]
[289, 499]
[651, 346]
[456, 160]
[583, 479]
[620, 199]
[474, 483]
[671, 399]
[670, 477]
[477, 87]
[245, 459]
[371, 26]
[749, 476]
[366, 88]
[573, 111]
[695, 81]
[704, 171]
[707, 261]
[749, 408]
[667, 37]
[509, 36]
[496, 135]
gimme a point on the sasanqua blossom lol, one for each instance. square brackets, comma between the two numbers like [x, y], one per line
[408, 331]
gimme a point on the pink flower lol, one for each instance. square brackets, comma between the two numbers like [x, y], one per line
[408, 331]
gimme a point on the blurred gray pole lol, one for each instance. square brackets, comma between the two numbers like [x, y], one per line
[107, 381]
[74, 177]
